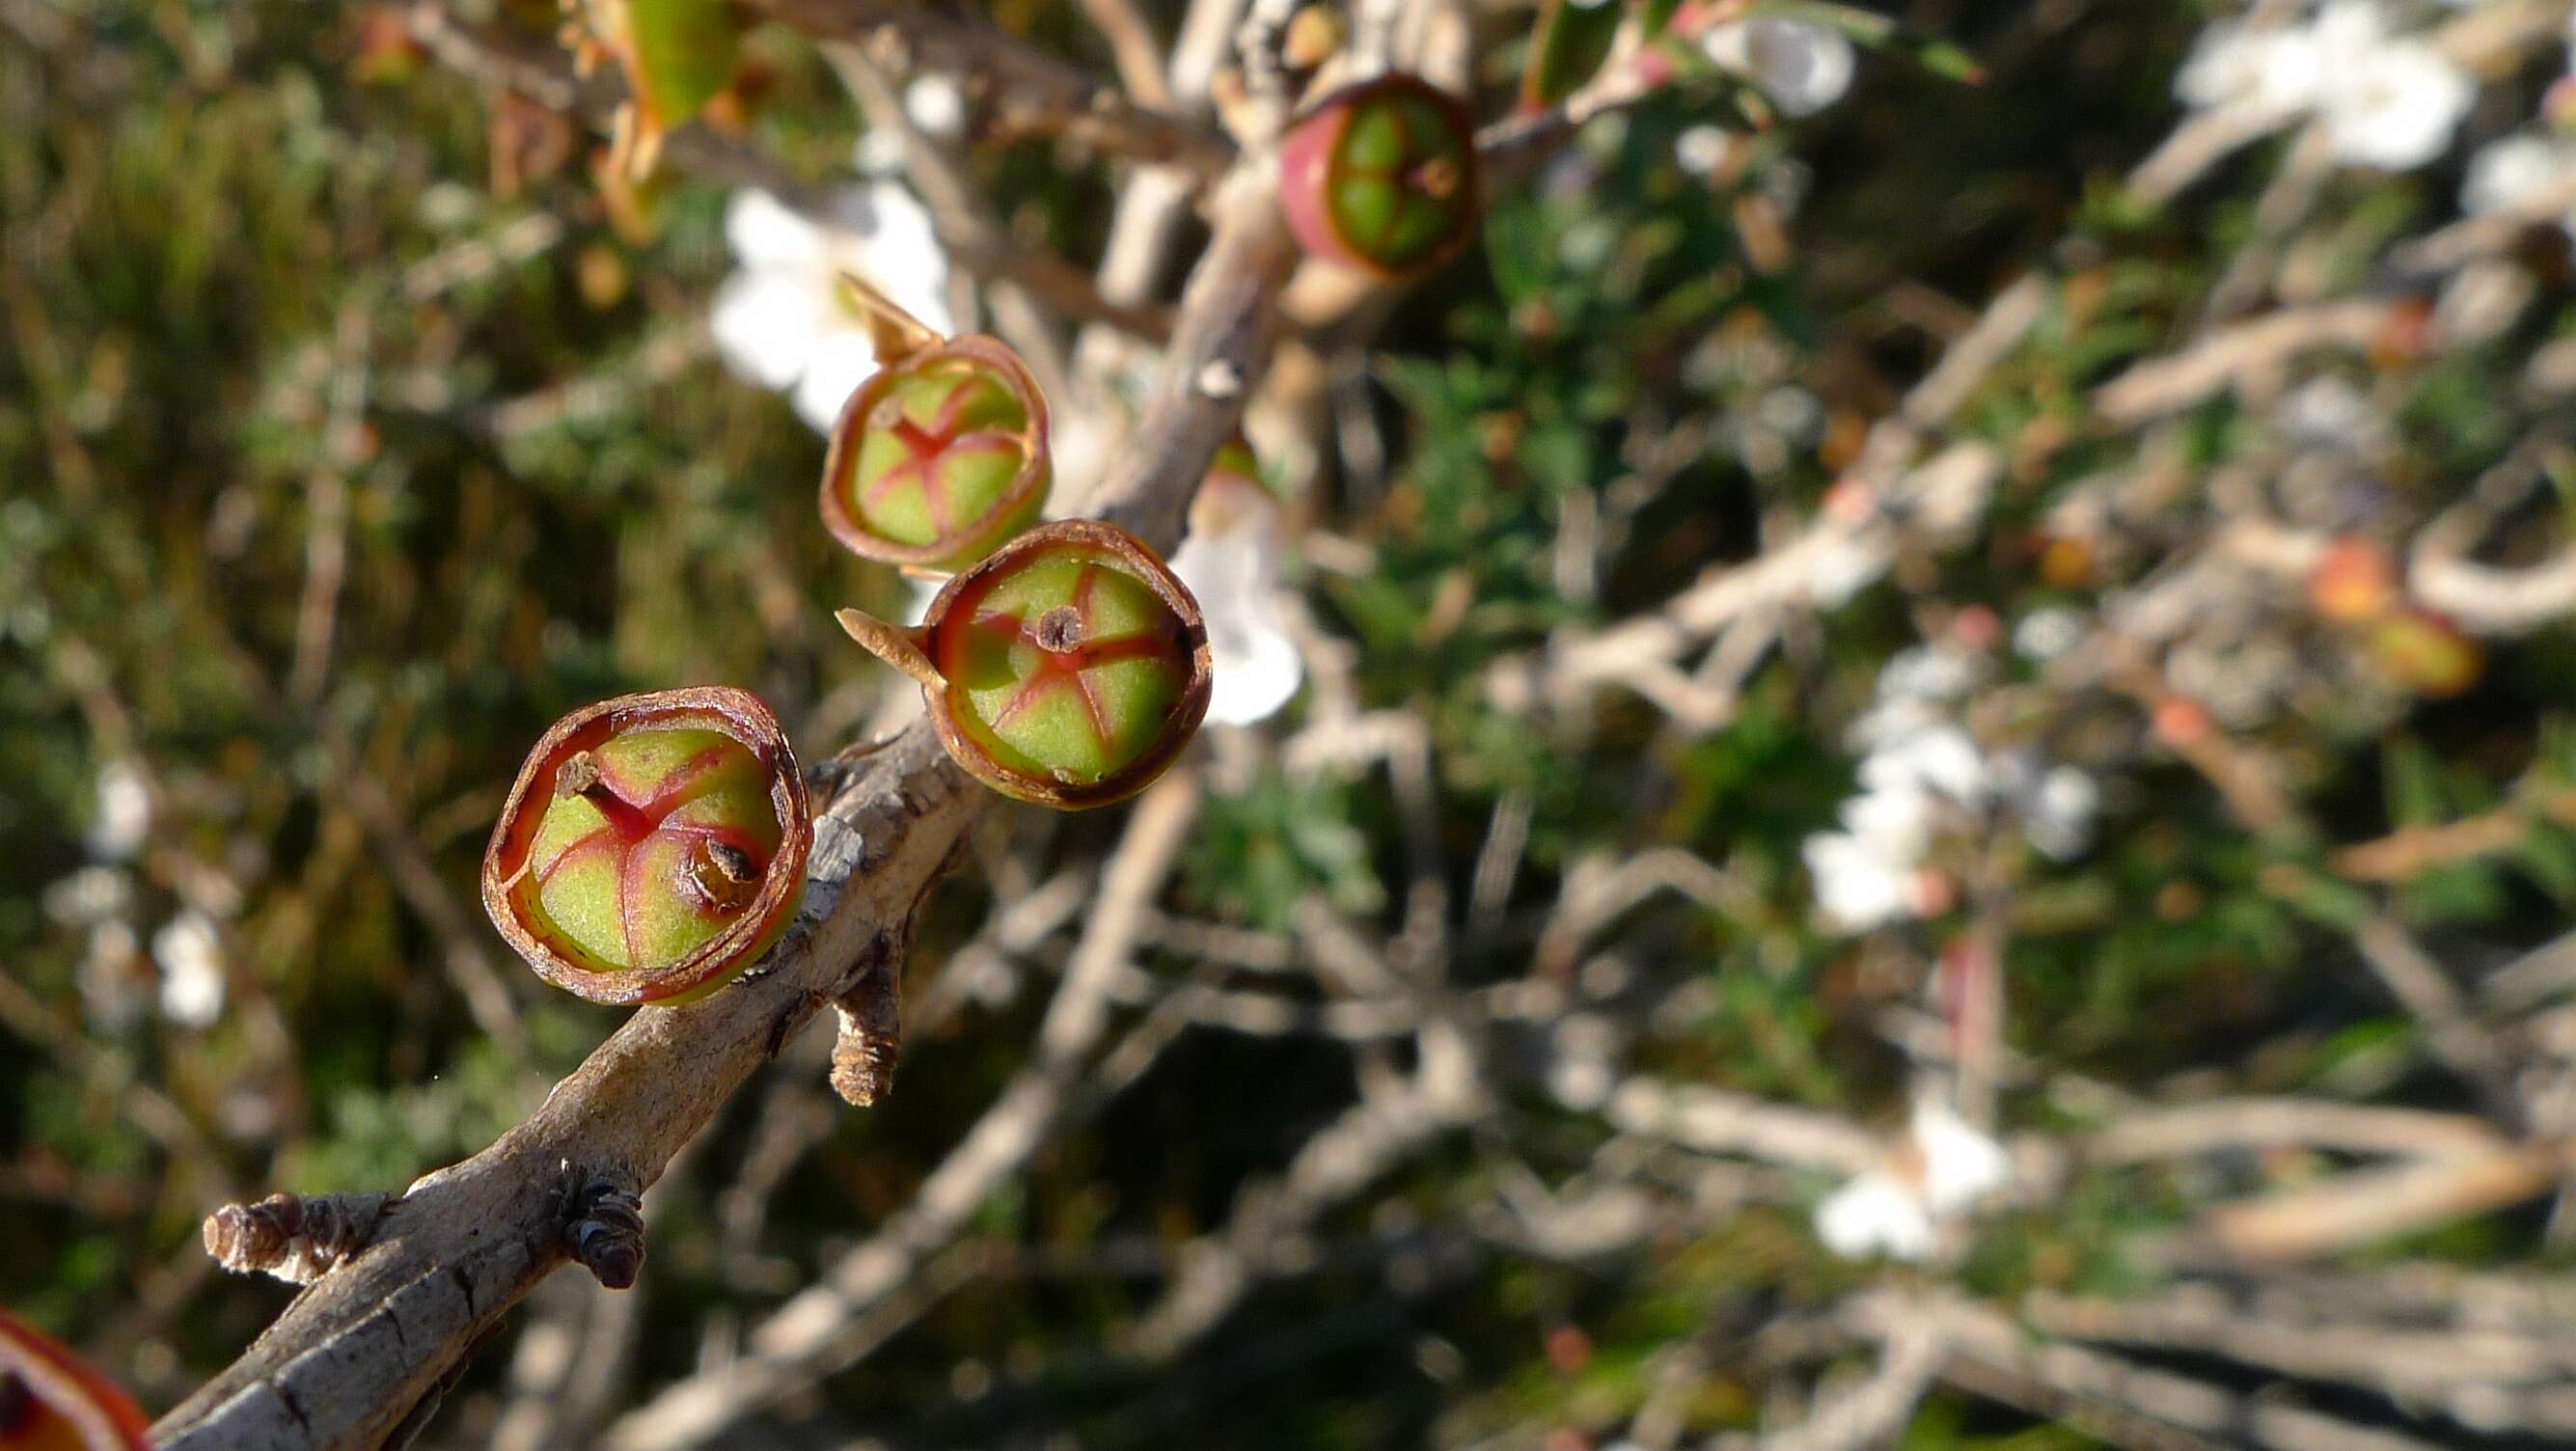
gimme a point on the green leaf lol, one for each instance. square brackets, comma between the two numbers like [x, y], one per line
[2324, 899]
[1574, 38]
[680, 54]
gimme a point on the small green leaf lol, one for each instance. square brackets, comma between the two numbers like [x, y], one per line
[1573, 39]
[683, 53]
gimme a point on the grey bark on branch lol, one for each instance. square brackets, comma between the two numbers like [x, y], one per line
[357, 1352]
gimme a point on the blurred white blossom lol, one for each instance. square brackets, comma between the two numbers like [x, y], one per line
[935, 104]
[1802, 67]
[1944, 1167]
[123, 815]
[2048, 632]
[192, 969]
[782, 321]
[2512, 170]
[2328, 414]
[93, 894]
[1927, 672]
[2057, 816]
[1938, 758]
[2394, 105]
[2233, 64]
[1703, 148]
[1920, 769]
[1230, 561]
[2387, 101]
[1860, 881]
[1875, 1213]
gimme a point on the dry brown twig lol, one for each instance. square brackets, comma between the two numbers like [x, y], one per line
[1028, 91]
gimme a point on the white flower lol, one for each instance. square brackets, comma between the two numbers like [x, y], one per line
[2048, 632]
[935, 104]
[1231, 564]
[192, 969]
[2387, 102]
[919, 591]
[2058, 817]
[1927, 672]
[1937, 758]
[782, 320]
[2508, 173]
[1858, 884]
[1802, 67]
[1896, 824]
[2397, 108]
[1960, 1165]
[2328, 414]
[1943, 1169]
[1875, 1213]
[124, 813]
[2509, 169]
[2271, 71]
[1703, 149]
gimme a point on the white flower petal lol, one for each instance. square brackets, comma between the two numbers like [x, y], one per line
[916, 603]
[766, 232]
[2061, 812]
[766, 324]
[1895, 823]
[1875, 1214]
[842, 359]
[1857, 886]
[1960, 1165]
[192, 969]
[1252, 683]
[1802, 67]
[1230, 562]
[124, 812]
[935, 104]
[2048, 632]
[1927, 672]
[1939, 758]
[884, 233]
[2395, 106]
[2506, 171]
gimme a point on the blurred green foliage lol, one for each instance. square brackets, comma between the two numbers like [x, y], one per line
[321, 500]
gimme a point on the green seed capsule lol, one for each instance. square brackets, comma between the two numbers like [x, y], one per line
[653, 846]
[1068, 669]
[942, 454]
[1381, 176]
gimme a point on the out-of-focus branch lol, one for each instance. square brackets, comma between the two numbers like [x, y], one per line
[811, 1334]
[543, 73]
[1029, 92]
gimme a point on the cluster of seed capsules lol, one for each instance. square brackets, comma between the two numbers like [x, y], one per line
[655, 845]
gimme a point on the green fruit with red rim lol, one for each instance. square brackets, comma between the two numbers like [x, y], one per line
[652, 847]
[1381, 176]
[51, 1401]
[939, 457]
[1068, 669]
